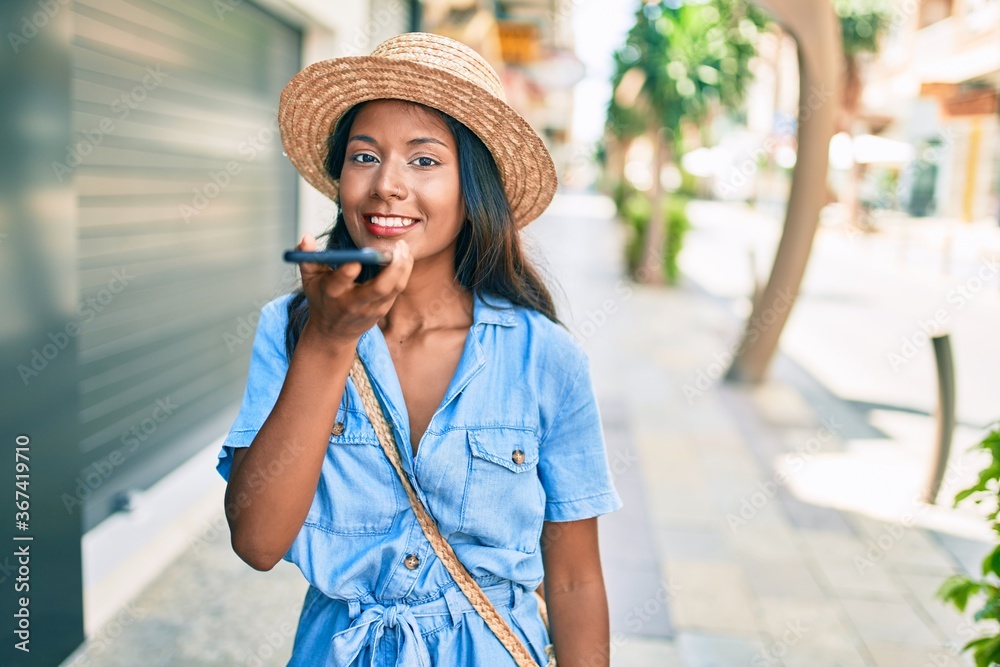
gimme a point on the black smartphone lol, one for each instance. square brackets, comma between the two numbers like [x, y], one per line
[338, 257]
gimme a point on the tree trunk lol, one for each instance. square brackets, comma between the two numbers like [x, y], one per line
[851, 196]
[650, 269]
[815, 28]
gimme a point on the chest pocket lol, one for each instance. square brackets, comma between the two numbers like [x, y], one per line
[357, 493]
[504, 503]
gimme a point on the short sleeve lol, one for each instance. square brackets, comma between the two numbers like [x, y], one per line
[268, 366]
[573, 460]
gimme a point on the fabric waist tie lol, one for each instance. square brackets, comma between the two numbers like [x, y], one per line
[369, 621]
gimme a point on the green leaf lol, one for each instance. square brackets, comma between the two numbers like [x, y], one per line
[990, 610]
[957, 589]
[991, 564]
[987, 652]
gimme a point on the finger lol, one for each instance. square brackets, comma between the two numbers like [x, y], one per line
[310, 270]
[385, 283]
[404, 278]
[342, 278]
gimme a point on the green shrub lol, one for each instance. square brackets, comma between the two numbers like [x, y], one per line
[959, 588]
[636, 210]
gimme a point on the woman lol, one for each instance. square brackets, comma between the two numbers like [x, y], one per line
[460, 338]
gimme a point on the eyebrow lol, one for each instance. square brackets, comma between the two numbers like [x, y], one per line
[412, 142]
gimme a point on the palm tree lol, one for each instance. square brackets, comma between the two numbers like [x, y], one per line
[684, 61]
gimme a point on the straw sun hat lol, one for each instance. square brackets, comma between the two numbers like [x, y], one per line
[430, 69]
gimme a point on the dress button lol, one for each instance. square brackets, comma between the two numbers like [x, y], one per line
[338, 428]
[517, 457]
[411, 562]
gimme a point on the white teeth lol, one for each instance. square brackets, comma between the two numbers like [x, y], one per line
[391, 222]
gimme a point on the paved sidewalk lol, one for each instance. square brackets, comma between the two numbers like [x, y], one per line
[715, 560]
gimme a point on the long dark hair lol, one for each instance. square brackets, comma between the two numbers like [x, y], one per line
[488, 254]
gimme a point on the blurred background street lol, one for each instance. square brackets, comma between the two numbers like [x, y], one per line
[777, 235]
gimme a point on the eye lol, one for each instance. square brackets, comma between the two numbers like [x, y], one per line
[430, 160]
[354, 158]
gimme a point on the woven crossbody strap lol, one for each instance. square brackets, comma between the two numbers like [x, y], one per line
[445, 553]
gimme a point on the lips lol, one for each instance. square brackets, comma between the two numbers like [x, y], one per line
[389, 225]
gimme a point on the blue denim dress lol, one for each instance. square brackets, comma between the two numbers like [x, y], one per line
[517, 440]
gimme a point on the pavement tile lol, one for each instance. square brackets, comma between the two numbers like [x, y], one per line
[765, 537]
[902, 544]
[634, 651]
[699, 649]
[782, 579]
[781, 405]
[636, 607]
[957, 627]
[711, 597]
[710, 545]
[968, 553]
[890, 621]
[896, 655]
[809, 442]
[728, 466]
[845, 570]
[846, 581]
[675, 509]
[808, 631]
[666, 463]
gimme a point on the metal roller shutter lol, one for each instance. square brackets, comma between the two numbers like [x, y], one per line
[185, 203]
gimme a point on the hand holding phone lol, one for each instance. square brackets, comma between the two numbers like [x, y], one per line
[341, 310]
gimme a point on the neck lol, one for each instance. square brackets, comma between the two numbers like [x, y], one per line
[432, 299]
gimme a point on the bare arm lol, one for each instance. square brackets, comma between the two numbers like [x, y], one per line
[273, 481]
[266, 503]
[574, 593]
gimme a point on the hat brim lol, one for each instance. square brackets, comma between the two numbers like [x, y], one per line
[318, 96]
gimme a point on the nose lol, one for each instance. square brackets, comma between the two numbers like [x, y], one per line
[389, 182]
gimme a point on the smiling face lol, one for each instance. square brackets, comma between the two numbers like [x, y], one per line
[400, 179]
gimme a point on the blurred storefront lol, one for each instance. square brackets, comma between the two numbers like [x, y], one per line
[530, 43]
[937, 80]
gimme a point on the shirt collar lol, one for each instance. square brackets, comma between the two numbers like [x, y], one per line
[498, 311]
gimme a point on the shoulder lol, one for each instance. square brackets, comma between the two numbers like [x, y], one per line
[272, 321]
[275, 312]
[558, 344]
[546, 343]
